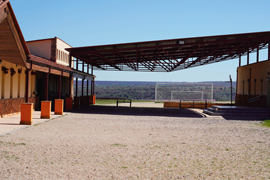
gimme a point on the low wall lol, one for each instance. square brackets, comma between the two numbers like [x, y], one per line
[242, 100]
[10, 107]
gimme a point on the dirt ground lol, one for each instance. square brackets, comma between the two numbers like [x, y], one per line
[87, 146]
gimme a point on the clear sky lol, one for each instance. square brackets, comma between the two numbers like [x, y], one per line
[100, 22]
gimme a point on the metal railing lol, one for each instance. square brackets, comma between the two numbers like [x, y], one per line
[254, 99]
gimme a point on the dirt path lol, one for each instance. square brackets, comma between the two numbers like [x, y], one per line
[85, 146]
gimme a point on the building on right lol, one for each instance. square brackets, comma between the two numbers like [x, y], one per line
[253, 83]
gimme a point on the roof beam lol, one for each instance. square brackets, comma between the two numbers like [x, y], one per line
[156, 62]
[86, 60]
[171, 56]
[203, 57]
[183, 60]
[133, 67]
[151, 67]
[112, 64]
[230, 52]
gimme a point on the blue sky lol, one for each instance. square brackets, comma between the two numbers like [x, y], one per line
[92, 22]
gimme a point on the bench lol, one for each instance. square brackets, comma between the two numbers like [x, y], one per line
[120, 100]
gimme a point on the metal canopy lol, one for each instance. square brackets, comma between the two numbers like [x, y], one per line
[171, 55]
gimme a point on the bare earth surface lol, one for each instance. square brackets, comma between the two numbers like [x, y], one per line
[85, 146]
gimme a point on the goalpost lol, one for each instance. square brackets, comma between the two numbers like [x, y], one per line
[183, 91]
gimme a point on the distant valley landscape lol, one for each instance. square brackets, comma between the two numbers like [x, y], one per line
[141, 90]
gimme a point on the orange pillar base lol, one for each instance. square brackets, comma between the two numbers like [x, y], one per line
[93, 99]
[59, 106]
[68, 104]
[26, 113]
[45, 110]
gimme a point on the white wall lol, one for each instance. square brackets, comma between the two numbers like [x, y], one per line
[40, 48]
[62, 55]
[14, 90]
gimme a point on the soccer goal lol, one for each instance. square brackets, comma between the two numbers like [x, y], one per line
[184, 91]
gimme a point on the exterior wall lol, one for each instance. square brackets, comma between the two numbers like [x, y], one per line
[10, 84]
[22, 82]
[10, 107]
[252, 81]
[12, 88]
[62, 55]
[40, 48]
[32, 89]
[53, 49]
[258, 72]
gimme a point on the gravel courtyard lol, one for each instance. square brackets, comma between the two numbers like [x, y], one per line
[87, 146]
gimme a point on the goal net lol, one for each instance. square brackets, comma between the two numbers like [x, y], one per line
[187, 95]
[183, 91]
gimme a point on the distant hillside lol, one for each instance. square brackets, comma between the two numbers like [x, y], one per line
[138, 83]
[141, 90]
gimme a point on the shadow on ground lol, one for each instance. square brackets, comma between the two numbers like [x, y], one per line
[137, 111]
[239, 113]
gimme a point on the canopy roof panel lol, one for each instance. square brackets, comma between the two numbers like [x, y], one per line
[173, 54]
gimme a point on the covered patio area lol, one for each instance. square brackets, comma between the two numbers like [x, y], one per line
[177, 54]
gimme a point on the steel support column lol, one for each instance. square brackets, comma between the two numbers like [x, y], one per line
[77, 68]
[248, 55]
[92, 88]
[258, 48]
[82, 86]
[70, 60]
[76, 88]
[240, 60]
[87, 82]
[92, 70]
[268, 51]
[92, 84]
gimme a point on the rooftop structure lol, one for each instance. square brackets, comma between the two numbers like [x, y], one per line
[173, 54]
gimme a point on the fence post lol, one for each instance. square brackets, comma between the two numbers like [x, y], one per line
[180, 104]
[117, 102]
[130, 103]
